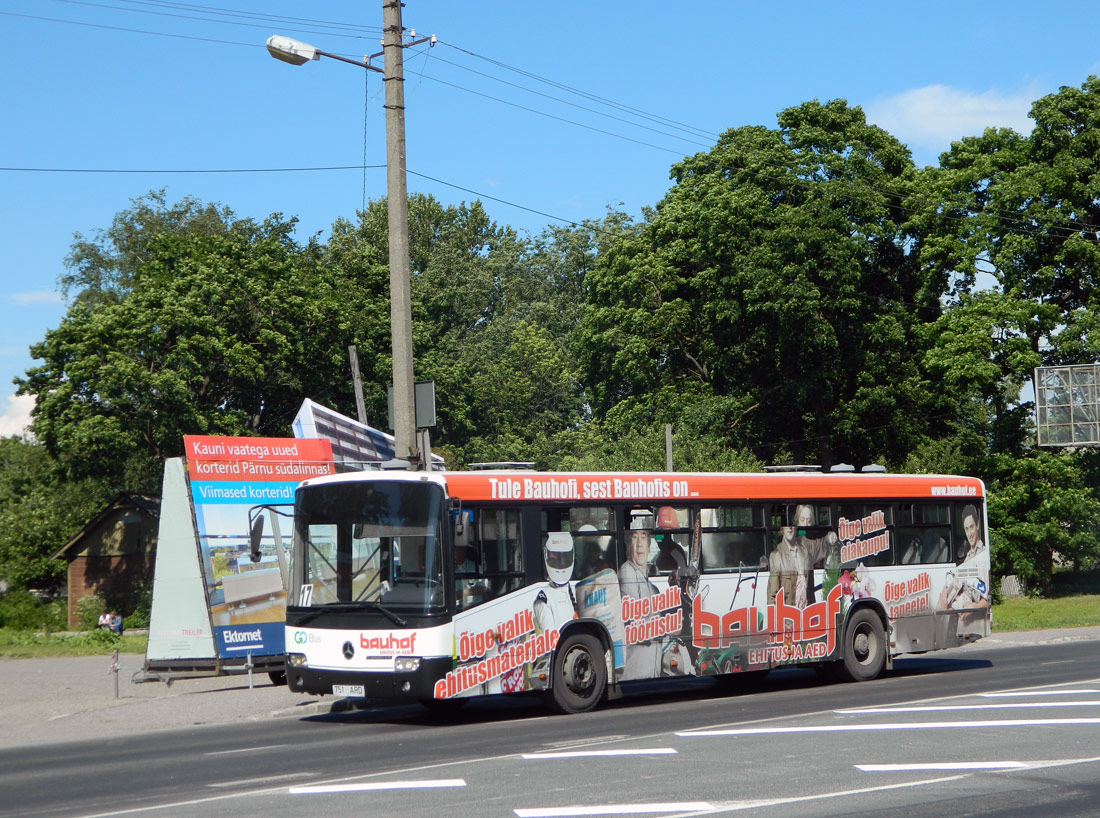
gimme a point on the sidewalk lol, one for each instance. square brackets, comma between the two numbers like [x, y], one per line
[44, 701]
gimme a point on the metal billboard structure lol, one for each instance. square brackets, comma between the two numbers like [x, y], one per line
[1067, 405]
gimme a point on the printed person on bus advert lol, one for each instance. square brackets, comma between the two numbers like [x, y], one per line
[555, 604]
[643, 659]
[966, 589]
[791, 564]
[650, 615]
[680, 653]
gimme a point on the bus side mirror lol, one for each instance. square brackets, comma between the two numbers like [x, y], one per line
[462, 522]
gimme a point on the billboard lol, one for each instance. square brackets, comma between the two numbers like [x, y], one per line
[1067, 405]
[213, 604]
[241, 485]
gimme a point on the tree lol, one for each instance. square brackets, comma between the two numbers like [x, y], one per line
[39, 511]
[780, 274]
[101, 270]
[1020, 216]
[1014, 221]
[218, 334]
[1043, 513]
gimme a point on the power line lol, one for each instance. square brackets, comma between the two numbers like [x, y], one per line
[129, 30]
[559, 118]
[1013, 222]
[326, 28]
[566, 102]
[585, 94]
[339, 26]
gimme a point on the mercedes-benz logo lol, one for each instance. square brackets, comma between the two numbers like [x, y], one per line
[349, 650]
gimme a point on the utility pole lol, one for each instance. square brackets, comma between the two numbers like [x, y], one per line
[397, 205]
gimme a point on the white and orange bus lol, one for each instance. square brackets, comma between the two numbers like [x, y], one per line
[440, 586]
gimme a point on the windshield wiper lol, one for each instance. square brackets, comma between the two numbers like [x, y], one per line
[356, 605]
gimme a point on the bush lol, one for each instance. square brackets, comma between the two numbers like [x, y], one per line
[88, 609]
[22, 610]
[141, 605]
[101, 638]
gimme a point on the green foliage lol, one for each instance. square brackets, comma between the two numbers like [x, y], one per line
[88, 610]
[778, 272]
[22, 610]
[218, 334]
[1025, 613]
[34, 644]
[1021, 212]
[1041, 510]
[39, 512]
[102, 269]
[140, 606]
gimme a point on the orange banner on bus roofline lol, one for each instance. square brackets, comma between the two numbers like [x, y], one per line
[672, 487]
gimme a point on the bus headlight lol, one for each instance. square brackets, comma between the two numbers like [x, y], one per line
[296, 660]
[406, 664]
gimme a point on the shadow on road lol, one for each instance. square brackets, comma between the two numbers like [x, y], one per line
[489, 709]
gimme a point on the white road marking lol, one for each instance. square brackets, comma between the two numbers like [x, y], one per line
[1013, 693]
[614, 809]
[656, 751]
[246, 750]
[942, 765]
[854, 728]
[977, 765]
[260, 782]
[367, 786]
[703, 808]
[946, 707]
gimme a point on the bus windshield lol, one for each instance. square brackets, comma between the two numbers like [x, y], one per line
[369, 544]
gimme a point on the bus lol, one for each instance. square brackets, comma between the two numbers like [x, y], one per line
[439, 586]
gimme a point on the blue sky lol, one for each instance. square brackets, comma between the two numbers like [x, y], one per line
[493, 110]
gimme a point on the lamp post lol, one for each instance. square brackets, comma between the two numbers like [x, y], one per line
[397, 205]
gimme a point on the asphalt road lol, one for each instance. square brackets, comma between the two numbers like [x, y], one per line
[795, 746]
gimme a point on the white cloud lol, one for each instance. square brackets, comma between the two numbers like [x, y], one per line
[934, 116]
[17, 417]
[38, 297]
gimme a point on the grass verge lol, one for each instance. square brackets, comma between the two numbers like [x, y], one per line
[1027, 614]
[32, 645]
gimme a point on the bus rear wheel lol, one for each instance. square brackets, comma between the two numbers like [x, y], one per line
[864, 647]
[579, 674]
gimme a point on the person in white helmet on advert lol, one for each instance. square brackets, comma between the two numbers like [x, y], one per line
[555, 604]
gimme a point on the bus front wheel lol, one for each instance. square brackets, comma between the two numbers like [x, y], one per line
[864, 647]
[579, 674]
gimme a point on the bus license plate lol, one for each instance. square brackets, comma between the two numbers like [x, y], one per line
[348, 690]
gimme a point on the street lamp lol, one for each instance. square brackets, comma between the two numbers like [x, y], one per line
[397, 205]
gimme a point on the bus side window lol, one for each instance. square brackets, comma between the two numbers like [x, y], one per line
[924, 533]
[500, 550]
[733, 537]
